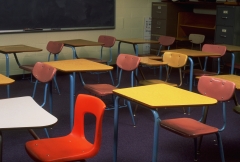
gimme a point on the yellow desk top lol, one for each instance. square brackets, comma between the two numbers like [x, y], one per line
[137, 41]
[151, 62]
[5, 80]
[80, 43]
[232, 48]
[192, 53]
[232, 78]
[162, 95]
[78, 65]
[18, 49]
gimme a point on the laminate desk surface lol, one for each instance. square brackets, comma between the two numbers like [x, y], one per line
[78, 65]
[5, 80]
[150, 62]
[80, 43]
[162, 95]
[137, 41]
[232, 78]
[192, 53]
[18, 49]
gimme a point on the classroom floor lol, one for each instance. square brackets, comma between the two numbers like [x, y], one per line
[135, 143]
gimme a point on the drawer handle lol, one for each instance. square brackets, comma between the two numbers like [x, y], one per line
[224, 17]
[224, 36]
[158, 27]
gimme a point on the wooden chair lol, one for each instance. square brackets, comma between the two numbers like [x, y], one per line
[74, 146]
[44, 73]
[107, 43]
[164, 41]
[219, 89]
[125, 62]
[53, 48]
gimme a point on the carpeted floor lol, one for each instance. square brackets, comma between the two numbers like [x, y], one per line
[135, 143]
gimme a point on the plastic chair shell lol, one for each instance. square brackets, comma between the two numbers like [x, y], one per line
[43, 72]
[127, 62]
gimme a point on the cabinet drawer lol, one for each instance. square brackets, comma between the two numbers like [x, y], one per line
[155, 37]
[159, 11]
[224, 35]
[159, 26]
[225, 16]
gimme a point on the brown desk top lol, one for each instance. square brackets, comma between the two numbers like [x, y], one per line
[18, 49]
[151, 62]
[5, 80]
[162, 96]
[80, 43]
[192, 53]
[232, 78]
[79, 65]
[137, 41]
[232, 48]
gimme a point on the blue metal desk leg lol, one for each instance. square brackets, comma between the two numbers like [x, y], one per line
[119, 45]
[233, 62]
[7, 73]
[190, 78]
[72, 89]
[156, 134]
[115, 138]
[160, 72]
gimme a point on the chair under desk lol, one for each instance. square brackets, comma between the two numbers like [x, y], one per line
[157, 96]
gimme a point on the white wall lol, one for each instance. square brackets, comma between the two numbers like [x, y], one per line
[129, 24]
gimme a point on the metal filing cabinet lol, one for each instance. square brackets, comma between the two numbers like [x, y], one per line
[164, 21]
[227, 25]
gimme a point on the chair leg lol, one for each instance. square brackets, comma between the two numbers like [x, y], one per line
[136, 107]
[220, 146]
[110, 73]
[131, 113]
[195, 149]
[46, 131]
[56, 85]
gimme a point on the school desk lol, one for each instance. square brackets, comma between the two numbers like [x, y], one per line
[6, 81]
[157, 96]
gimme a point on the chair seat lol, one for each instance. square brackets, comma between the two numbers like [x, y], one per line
[97, 60]
[199, 72]
[187, 127]
[152, 56]
[26, 67]
[155, 81]
[100, 89]
[67, 148]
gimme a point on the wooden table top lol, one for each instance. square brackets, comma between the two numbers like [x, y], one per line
[232, 78]
[162, 95]
[232, 48]
[79, 65]
[18, 49]
[80, 43]
[5, 80]
[150, 62]
[23, 112]
[192, 53]
[137, 41]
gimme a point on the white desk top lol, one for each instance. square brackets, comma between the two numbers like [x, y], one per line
[23, 112]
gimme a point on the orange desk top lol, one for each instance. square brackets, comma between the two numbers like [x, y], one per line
[137, 41]
[192, 53]
[18, 49]
[80, 43]
[150, 62]
[162, 95]
[79, 65]
[5, 80]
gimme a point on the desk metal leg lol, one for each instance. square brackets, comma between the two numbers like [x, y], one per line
[72, 89]
[190, 78]
[74, 51]
[7, 74]
[115, 138]
[156, 134]
[233, 62]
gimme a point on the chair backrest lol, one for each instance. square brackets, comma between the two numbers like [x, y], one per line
[196, 38]
[221, 90]
[176, 60]
[43, 72]
[87, 104]
[214, 49]
[54, 47]
[166, 40]
[108, 41]
[127, 62]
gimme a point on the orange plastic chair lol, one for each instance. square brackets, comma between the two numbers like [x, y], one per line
[125, 62]
[164, 41]
[219, 89]
[53, 48]
[75, 145]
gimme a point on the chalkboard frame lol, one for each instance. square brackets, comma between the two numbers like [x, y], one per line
[94, 26]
